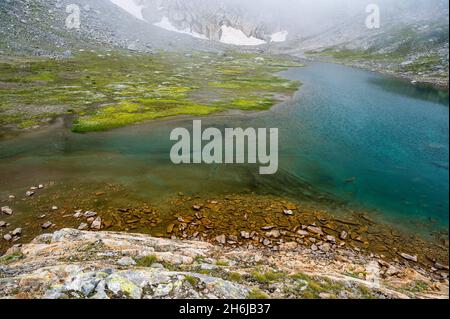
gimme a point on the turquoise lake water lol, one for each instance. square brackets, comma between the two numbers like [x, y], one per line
[368, 140]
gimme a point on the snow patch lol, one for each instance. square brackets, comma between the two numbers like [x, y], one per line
[234, 36]
[167, 25]
[131, 7]
[279, 36]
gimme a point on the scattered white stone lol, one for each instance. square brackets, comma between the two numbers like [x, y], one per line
[83, 226]
[245, 234]
[315, 230]
[97, 224]
[288, 212]
[11, 197]
[126, 261]
[2, 223]
[89, 214]
[331, 238]
[16, 232]
[409, 257]
[221, 239]
[302, 232]
[275, 233]
[78, 214]
[54, 207]
[343, 235]
[46, 225]
[7, 210]
[29, 193]
[7, 237]
[41, 186]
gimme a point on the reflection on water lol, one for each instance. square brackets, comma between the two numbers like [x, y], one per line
[341, 137]
[419, 91]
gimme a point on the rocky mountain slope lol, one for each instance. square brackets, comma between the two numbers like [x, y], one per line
[77, 264]
[38, 27]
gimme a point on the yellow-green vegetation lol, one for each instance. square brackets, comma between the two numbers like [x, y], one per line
[192, 280]
[257, 294]
[234, 276]
[8, 259]
[146, 261]
[267, 277]
[222, 263]
[107, 90]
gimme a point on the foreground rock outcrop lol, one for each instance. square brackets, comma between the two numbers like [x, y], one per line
[77, 264]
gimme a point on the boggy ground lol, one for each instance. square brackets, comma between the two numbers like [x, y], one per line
[296, 243]
[109, 89]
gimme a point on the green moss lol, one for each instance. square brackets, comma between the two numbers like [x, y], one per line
[267, 277]
[257, 294]
[417, 286]
[116, 90]
[234, 276]
[146, 261]
[222, 263]
[8, 259]
[192, 280]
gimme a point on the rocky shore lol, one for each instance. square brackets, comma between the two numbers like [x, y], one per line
[190, 246]
[80, 264]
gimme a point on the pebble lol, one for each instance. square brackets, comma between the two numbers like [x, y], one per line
[196, 207]
[41, 186]
[11, 197]
[90, 214]
[245, 234]
[83, 226]
[17, 232]
[409, 257]
[126, 261]
[437, 265]
[78, 214]
[7, 210]
[302, 232]
[331, 238]
[325, 247]
[274, 233]
[313, 247]
[29, 193]
[315, 230]
[265, 228]
[221, 239]
[288, 212]
[54, 207]
[2, 223]
[343, 235]
[97, 224]
[46, 225]
[7, 237]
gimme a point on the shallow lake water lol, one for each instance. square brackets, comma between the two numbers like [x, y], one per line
[373, 142]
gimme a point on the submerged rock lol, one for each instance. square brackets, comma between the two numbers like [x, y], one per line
[409, 257]
[46, 225]
[7, 210]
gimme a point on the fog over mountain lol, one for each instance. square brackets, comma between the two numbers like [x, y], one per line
[292, 26]
[263, 19]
